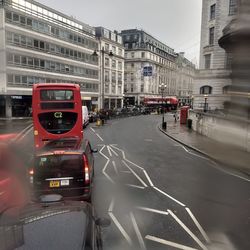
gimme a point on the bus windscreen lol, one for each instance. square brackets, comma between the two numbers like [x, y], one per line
[58, 122]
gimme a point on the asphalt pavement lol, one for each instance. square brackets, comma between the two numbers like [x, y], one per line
[158, 194]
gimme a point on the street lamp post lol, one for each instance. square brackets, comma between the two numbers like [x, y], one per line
[103, 52]
[162, 88]
[205, 103]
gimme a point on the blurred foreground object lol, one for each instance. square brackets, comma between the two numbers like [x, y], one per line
[13, 188]
[236, 42]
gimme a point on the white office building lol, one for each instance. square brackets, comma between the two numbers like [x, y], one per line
[111, 68]
[39, 44]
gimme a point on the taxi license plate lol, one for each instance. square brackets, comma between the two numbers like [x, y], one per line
[53, 184]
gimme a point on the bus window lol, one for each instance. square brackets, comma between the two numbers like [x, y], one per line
[56, 95]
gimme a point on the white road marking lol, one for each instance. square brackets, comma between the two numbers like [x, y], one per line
[149, 180]
[100, 145]
[135, 186]
[92, 129]
[148, 140]
[109, 151]
[169, 196]
[113, 151]
[185, 149]
[123, 154]
[168, 243]
[187, 230]
[123, 232]
[27, 132]
[99, 137]
[198, 225]
[113, 144]
[215, 165]
[142, 182]
[104, 168]
[137, 231]
[22, 132]
[115, 168]
[134, 164]
[111, 206]
[153, 210]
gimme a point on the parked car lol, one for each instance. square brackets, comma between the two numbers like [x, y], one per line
[85, 116]
[65, 167]
[52, 223]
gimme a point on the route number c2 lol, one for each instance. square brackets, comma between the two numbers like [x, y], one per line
[58, 115]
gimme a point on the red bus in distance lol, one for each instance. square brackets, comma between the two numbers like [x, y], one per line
[56, 111]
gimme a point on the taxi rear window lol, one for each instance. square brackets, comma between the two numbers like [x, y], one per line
[59, 162]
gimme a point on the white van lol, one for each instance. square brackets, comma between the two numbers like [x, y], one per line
[85, 116]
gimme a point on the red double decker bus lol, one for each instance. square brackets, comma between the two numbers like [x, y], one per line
[56, 111]
[168, 102]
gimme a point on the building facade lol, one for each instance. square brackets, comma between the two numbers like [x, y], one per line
[185, 79]
[148, 63]
[111, 68]
[39, 44]
[213, 78]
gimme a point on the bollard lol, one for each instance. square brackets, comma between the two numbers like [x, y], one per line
[164, 125]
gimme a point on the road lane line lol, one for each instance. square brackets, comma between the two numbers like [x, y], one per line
[22, 132]
[109, 151]
[168, 243]
[123, 154]
[133, 164]
[115, 168]
[137, 231]
[26, 133]
[149, 180]
[198, 225]
[133, 172]
[105, 166]
[135, 186]
[187, 230]
[118, 225]
[111, 206]
[153, 210]
[113, 151]
[99, 137]
[113, 144]
[92, 129]
[185, 149]
[169, 196]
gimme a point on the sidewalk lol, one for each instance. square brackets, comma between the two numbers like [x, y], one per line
[226, 155]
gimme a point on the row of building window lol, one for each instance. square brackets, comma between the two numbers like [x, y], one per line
[233, 7]
[41, 11]
[24, 80]
[113, 77]
[112, 48]
[43, 46]
[107, 63]
[135, 37]
[131, 55]
[113, 89]
[41, 64]
[49, 29]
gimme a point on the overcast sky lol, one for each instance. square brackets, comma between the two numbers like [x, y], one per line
[174, 22]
